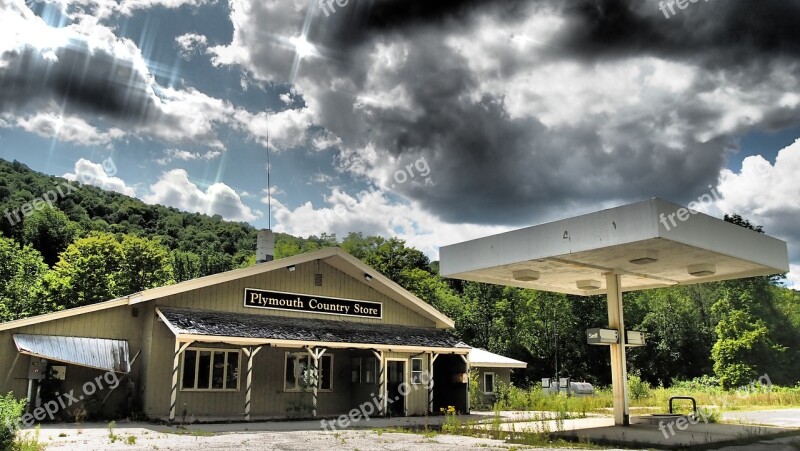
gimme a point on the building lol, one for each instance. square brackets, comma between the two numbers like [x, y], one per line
[492, 369]
[314, 335]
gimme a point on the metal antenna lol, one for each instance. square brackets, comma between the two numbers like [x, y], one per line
[269, 186]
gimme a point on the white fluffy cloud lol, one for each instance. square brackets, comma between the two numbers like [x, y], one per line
[184, 155]
[101, 175]
[176, 190]
[374, 212]
[68, 129]
[191, 43]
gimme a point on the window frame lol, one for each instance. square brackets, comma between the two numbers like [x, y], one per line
[421, 370]
[494, 381]
[225, 351]
[307, 356]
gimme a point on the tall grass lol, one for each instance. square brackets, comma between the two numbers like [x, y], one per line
[645, 397]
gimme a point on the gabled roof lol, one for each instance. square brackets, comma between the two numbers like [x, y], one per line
[333, 256]
[482, 358]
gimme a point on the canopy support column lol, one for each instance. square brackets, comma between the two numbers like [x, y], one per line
[619, 371]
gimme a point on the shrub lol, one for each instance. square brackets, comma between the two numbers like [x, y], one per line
[11, 411]
[637, 388]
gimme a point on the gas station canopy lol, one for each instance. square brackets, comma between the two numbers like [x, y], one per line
[649, 244]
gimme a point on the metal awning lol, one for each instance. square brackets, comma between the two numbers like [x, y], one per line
[100, 353]
[481, 358]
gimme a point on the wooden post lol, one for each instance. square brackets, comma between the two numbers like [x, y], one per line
[619, 372]
[465, 358]
[176, 360]
[431, 359]
[315, 354]
[381, 382]
[251, 354]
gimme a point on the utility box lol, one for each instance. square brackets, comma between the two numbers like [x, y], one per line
[59, 372]
[635, 338]
[37, 369]
[598, 336]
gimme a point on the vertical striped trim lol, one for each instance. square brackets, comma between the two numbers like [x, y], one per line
[251, 354]
[176, 360]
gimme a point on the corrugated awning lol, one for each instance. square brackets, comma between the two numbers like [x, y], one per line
[100, 353]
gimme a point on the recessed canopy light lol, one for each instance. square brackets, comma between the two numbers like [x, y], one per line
[525, 275]
[702, 270]
[644, 257]
[291, 268]
[588, 284]
[368, 277]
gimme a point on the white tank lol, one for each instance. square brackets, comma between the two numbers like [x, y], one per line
[265, 246]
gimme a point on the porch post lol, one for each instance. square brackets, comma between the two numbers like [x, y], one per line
[176, 360]
[316, 354]
[381, 381]
[251, 354]
[431, 359]
[466, 363]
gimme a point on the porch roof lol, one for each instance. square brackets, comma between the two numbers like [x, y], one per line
[252, 329]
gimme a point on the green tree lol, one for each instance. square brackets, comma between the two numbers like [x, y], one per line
[145, 264]
[50, 231]
[21, 273]
[87, 271]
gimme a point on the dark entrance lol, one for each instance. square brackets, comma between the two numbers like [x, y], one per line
[448, 389]
[395, 377]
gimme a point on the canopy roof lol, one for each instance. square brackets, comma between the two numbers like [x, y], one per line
[650, 244]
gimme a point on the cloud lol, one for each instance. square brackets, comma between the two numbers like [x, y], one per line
[285, 129]
[184, 155]
[67, 129]
[375, 213]
[767, 194]
[190, 44]
[176, 190]
[95, 174]
[506, 103]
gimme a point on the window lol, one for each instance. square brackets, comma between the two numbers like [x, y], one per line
[416, 370]
[299, 374]
[210, 369]
[369, 370]
[488, 383]
[356, 370]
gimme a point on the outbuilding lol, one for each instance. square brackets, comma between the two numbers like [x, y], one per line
[493, 370]
[314, 335]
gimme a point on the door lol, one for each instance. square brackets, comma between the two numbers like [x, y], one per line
[396, 376]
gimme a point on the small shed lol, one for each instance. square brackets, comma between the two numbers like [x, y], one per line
[492, 369]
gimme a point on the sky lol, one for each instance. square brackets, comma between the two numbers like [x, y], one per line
[432, 121]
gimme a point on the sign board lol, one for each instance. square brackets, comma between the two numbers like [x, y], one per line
[599, 336]
[296, 302]
[635, 338]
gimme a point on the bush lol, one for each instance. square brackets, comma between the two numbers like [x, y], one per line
[11, 411]
[637, 388]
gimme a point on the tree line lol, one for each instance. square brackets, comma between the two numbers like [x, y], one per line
[95, 245]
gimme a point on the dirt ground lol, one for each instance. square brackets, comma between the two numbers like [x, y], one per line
[148, 438]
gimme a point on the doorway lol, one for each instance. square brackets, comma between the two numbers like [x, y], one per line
[396, 376]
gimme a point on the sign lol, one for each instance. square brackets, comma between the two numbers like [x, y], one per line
[295, 302]
[602, 336]
[635, 338]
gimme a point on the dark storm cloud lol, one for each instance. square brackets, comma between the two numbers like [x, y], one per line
[446, 94]
[738, 29]
[75, 78]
